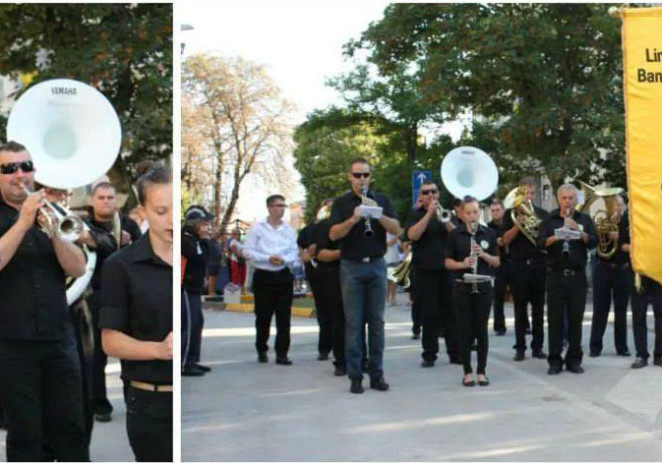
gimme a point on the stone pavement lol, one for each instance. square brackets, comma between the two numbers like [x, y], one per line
[109, 440]
[246, 411]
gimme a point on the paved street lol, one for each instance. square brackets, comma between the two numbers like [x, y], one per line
[246, 411]
[109, 440]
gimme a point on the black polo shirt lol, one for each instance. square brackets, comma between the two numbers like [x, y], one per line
[106, 243]
[578, 250]
[305, 238]
[499, 230]
[456, 221]
[323, 241]
[428, 250]
[33, 299]
[136, 299]
[459, 248]
[521, 248]
[354, 245]
[196, 254]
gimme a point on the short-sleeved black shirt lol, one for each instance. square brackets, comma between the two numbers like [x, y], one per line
[136, 299]
[354, 245]
[323, 241]
[33, 299]
[578, 250]
[428, 250]
[459, 248]
[499, 230]
[521, 248]
[619, 257]
[197, 258]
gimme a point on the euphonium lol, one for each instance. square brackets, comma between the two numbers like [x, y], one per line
[606, 222]
[400, 274]
[523, 213]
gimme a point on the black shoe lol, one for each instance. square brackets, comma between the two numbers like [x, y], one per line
[356, 387]
[657, 361]
[484, 382]
[455, 360]
[554, 370]
[594, 353]
[500, 332]
[639, 362]
[519, 356]
[283, 361]
[203, 368]
[262, 357]
[427, 363]
[577, 369]
[539, 354]
[102, 417]
[323, 356]
[416, 336]
[379, 384]
[470, 383]
[191, 371]
[624, 353]
[339, 371]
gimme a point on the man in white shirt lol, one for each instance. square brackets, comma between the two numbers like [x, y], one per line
[271, 247]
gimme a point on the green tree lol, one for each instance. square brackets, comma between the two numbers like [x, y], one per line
[542, 81]
[123, 50]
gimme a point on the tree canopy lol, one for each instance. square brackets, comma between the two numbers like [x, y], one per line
[123, 50]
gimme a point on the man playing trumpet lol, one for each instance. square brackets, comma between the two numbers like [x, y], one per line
[38, 356]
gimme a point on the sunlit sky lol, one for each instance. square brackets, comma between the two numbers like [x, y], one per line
[299, 43]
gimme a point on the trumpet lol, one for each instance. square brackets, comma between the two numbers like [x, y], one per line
[443, 215]
[59, 220]
[367, 232]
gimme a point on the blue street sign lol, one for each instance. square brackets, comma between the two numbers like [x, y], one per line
[418, 177]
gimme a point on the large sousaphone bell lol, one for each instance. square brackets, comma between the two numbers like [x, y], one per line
[74, 136]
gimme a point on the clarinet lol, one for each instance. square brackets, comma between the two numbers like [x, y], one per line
[474, 255]
[367, 232]
[566, 242]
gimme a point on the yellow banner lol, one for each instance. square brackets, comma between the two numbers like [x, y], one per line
[642, 68]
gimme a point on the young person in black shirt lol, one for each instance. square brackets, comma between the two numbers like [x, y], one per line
[502, 279]
[611, 276]
[528, 272]
[196, 230]
[566, 278]
[38, 357]
[472, 300]
[429, 236]
[136, 320]
[363, 273]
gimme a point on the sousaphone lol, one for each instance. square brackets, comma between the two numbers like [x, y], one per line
[74, 136]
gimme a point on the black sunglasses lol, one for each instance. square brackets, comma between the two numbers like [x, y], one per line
[360, 174]
[11, 167]
[427, 192]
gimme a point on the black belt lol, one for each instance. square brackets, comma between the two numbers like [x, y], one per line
[612, 265]
[566, 272]
[529, 261]
[364, 260]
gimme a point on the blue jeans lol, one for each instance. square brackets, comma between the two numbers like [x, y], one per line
[363, 288]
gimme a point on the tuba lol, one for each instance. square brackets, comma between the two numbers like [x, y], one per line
[469, 171]
[606, 220]
[74, 136]
[400, 274]
[523, 214]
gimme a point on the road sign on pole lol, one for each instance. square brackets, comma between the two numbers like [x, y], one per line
[418, 177]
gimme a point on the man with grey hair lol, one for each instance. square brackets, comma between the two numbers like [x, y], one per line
[566, 278]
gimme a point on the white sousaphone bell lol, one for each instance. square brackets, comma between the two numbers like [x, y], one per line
[74, 136]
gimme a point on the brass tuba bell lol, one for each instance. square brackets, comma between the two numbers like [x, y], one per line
[606, 220]
[523, 213]
[400, 274]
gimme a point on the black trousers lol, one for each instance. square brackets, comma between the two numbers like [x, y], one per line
[81, 319]
[566, 296]
[323, 310]
[651, 292]
[435, 297]
[41, 389]
[473, 311]
[100, 402]
[528, 285]
[501, 283]
[192, 324]
[149, 424]
[331, 301]
[416, 306]
[273, 293]
[610, 281]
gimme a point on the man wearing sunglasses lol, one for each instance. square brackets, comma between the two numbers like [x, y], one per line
[429, 237]
[272, 249]
[363, 273]
[38, 357]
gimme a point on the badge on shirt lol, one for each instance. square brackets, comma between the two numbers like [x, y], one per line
[484, 244]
